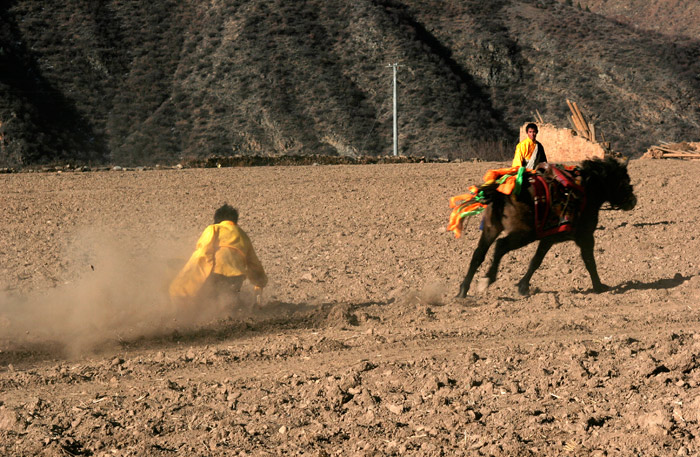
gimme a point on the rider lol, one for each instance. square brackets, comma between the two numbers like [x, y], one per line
[224, 258]
[529, 152]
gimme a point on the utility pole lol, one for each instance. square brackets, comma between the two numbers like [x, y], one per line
[395, 66]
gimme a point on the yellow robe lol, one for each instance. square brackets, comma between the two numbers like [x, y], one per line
[523, 152]
[223, 249]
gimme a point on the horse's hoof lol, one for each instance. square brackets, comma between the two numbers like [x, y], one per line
[482, 284]
[601, 288]
[524, 289]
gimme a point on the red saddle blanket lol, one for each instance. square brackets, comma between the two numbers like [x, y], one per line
[559, 198]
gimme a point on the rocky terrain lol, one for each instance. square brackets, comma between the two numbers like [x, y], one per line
[360, 348]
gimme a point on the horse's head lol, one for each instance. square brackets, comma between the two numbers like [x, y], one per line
[609, 179]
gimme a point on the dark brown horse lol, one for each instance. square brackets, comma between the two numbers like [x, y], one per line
[514, 215]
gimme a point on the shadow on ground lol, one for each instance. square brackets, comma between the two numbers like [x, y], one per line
[663, 283]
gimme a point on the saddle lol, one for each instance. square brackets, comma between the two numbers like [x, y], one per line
[558, 196]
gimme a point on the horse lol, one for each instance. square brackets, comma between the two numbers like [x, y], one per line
[602, 180]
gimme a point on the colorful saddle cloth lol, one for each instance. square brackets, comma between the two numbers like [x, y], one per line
[558, 197]
[556, 191]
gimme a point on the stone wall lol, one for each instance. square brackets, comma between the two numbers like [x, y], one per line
[563, 145]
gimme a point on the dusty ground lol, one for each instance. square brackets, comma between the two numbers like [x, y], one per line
[362, 349]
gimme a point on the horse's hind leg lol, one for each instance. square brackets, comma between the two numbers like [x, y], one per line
[586, 243]
[488, 236]
[504, 245]
[542, 249]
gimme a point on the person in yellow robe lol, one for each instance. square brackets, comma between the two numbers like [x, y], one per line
[223, 260]
[529, 152]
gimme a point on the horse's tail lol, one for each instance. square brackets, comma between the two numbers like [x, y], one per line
[495, 199]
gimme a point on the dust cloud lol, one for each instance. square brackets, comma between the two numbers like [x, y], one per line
[433, 293]
[120, 292]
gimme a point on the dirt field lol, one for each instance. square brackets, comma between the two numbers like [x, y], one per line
[361, 348]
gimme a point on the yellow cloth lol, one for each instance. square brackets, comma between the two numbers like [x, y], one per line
[223, 249]
[523, 152]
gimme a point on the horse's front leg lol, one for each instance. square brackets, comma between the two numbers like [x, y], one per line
[586, 243]
[504, 245]
[485, 241]
[542, 249]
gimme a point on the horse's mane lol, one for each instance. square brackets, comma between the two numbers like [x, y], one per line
[601, 170]
[607, 180]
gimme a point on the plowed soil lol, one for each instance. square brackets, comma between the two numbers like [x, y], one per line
[361, 347]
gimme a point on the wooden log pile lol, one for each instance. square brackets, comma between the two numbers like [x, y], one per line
[579, 124]
[584, 128]
[673, 151]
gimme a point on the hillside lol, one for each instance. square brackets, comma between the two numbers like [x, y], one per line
[159, 82]
[670, 17]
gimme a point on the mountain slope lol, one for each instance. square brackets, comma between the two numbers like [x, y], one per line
[143, 83]
[638, 86]
[670, 17]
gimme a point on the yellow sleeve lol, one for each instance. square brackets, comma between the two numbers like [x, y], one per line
[255, 271]
[519, 150]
